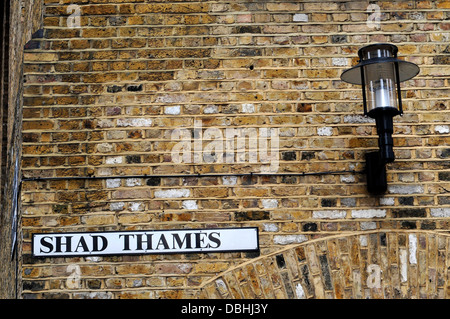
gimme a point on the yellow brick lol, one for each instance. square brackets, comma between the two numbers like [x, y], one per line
[44, 57]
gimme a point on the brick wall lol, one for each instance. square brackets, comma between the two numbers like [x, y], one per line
[138, 83]
[19, 20]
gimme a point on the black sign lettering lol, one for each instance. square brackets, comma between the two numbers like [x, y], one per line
[126, 241]
[95, 243]
[47, 244]
[82, 244]
[214, 237]
[146, 242]
[66, 243]
[199, 240]
[162, 241]
[178, 243]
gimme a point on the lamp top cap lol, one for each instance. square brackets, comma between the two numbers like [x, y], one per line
[378, 50]
[379, 53]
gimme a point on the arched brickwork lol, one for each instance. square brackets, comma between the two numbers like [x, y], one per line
[379, 264]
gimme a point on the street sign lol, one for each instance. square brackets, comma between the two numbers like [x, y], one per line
[145, 242]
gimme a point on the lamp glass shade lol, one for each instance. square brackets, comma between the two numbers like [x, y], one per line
[380, 85]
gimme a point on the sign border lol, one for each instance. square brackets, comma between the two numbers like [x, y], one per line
[257, 249]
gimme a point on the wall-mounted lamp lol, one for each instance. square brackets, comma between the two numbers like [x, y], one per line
[380, 73]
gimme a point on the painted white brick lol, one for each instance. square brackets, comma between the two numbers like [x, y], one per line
[347, 179]
[440, 212]
[325, 131]
[270, 227]
[357, 119]
[300, 17]
[403, 265]
[412, 249]
[117, 206]
[229, 180]
[114, 160]
[442, 129]
[248, 108]
[329, 214]
[172, 110]
[136, 122]
[190, 204]
[368, 213]
[387, 201]
[211, 109]
[339, 61]
[269, 203]
[136, 206]
[368, 225]
[299, 291]
[133, 182]
[104, 123]
[113, 183]
[405, 189]
[289, 239]
[172, 193]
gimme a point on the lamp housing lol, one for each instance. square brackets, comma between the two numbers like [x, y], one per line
[380, 72]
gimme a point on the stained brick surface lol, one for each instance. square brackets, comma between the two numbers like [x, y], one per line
[105, 100]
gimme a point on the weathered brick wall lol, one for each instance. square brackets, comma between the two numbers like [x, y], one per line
[105, 100]
[24, 18]
[367, 265]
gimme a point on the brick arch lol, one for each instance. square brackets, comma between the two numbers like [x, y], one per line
[383, 264]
